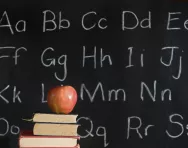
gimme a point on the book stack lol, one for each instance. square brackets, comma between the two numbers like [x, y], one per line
[51, 131]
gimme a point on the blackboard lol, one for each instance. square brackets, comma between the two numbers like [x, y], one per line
[126, 59]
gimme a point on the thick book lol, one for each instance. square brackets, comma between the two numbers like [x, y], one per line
[28, 140]
[52, 129]
[54, 118]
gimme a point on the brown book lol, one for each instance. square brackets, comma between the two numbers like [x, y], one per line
[52, 129]
[54, 118]
[28, 140]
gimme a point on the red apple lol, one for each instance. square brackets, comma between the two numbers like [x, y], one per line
[62, 99]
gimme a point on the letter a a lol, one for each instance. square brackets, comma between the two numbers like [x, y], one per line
[7, 24]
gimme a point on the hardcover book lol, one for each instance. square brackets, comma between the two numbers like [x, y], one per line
[54, 118]
[51, 129]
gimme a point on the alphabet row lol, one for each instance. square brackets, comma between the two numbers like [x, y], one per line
[134, 125]
[58, 22]
[112, 95]
[101, 57]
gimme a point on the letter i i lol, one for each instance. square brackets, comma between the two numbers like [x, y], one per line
[142, 59]
[130, 57]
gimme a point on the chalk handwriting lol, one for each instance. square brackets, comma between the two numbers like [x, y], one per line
[130, 58]
[13, 129]
[170, 19]
[5, 22]
[15, 96]
[171, 50]
[94, 57]
[61, 60]
[147, 129]
[43, 97]
[7, 126]
[101, 22]
[89, 133]
[2, 97]
[99, 88]
[142, 59]
[100, 130]
[136, 128]
[176, 123]
[179, 69]
[15, 56]
[165, 92]
[145, 23]
[62, 23]
[171, 55]
[175, 17]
